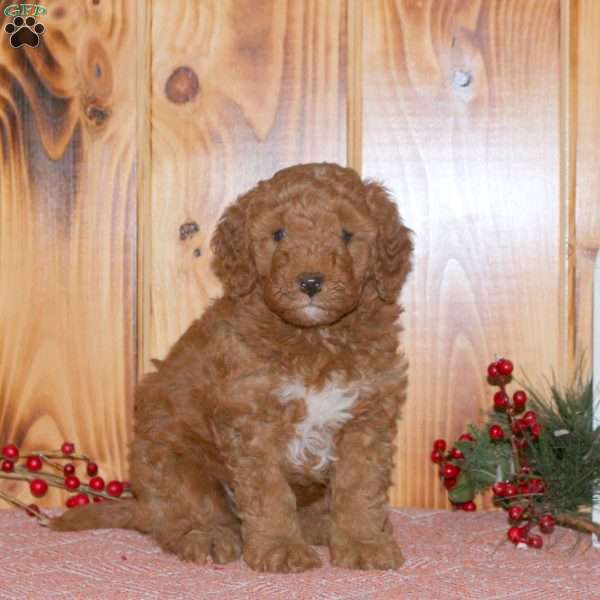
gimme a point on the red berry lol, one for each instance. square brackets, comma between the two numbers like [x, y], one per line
[492, 370]
[514, 535]
[437, 456]
[72, 482]
[499, 489]
[519, 399]
[535, 429]
[67, 448]
[536, 486]
[114, 488]
[547, 524]
[518, 535]
[8, 466]
[92, 469]
[466, 437]
[456, 454]
[449, 471]
[504, 366]
[515, 513]
[469, 506]
[31, 508]
[38, 487]
[449, 483]
[81, 500]
[511, 490]
[97, 483]
[71, 502]
[69, 469]
[496, 433]
[10, 452]
[529, 418]
[34, 463]
[500, 400]
[439, 445]
[535, 541]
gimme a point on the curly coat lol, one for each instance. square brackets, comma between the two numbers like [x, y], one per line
[270, 425]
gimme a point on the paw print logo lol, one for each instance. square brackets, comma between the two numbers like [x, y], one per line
[24, 32]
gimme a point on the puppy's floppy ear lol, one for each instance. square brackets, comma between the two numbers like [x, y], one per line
[232, 261]
[393, 245]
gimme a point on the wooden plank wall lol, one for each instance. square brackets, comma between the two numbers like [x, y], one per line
[134, 119]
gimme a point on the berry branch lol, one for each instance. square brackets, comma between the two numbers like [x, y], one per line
[578, 524]
[538, 479]
[30, 467]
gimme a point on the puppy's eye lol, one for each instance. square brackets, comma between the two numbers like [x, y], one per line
[346, 236]
[279, 235]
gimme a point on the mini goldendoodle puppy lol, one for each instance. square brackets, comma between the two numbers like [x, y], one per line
[270, 425]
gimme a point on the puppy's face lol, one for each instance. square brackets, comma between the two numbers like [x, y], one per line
[310, 238]
[312, 253]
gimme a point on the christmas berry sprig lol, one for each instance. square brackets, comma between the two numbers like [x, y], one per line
[538, 453]
[506, 441]
[43, 469]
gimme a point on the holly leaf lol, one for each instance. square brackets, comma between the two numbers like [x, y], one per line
[463, 491]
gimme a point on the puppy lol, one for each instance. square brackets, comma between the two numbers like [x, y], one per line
[270, 425]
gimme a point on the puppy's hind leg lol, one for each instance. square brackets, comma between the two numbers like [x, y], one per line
[187, 511]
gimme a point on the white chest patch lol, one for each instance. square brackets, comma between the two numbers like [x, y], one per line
[327, 410]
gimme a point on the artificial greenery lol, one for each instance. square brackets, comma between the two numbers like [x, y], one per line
[567, 454]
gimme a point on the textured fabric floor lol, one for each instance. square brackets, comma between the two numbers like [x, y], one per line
[449, 555]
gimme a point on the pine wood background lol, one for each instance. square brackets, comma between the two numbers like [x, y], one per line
[134, 118]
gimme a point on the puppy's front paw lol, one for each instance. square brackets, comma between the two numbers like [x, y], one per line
[194, 546]
[283, 556]
[353, 554]
[226, 545]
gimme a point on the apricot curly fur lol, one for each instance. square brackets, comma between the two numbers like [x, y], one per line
[270, 425]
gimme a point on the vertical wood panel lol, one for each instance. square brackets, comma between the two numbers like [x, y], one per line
[68, 231]
[461, 121]
[586, 133]
[240, 89]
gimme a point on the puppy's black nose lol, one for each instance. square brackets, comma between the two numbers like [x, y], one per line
[310, 283]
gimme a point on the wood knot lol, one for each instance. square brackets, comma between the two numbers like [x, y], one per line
[97, 114]
[188, 230]
[182, 85]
